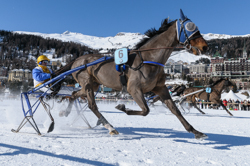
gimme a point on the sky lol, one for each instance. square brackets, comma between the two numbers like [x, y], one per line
[105, 18]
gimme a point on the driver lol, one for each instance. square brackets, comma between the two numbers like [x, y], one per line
[42, 73]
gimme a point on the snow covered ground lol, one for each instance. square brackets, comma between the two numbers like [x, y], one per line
[158, 139]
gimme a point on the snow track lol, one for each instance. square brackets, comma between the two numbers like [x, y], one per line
[157, 139]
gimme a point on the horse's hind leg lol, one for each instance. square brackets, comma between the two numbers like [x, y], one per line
[92, 105]
[69, 108]
[137, 95]
[195, 105]
[165, 96]
[88, 87]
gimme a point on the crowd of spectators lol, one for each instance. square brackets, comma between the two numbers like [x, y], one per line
[237, 105]
[243, 105]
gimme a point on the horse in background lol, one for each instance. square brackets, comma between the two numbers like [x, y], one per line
[144, 70]
[214, 96]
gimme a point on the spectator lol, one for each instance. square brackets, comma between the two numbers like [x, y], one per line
[245, 105]
[237, 104]
[230, 104]
[241, 105]
[225, 102]
[201, 104]
[248, 105]
[233, 104]
[170, 92]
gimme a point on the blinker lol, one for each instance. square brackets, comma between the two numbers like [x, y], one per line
[185, 28]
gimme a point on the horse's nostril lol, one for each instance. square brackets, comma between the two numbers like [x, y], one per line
[205, 48]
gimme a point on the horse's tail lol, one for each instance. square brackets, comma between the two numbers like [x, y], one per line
[64, 68]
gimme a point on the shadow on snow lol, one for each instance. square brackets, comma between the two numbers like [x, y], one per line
[220, 141]
[22, 150]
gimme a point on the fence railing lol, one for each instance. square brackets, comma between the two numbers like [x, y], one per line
[230, 106]
[201, 105]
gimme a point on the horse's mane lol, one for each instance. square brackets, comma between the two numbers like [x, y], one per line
[165, 24]
[218, 81]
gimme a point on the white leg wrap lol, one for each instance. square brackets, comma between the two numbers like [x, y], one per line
[109, 127]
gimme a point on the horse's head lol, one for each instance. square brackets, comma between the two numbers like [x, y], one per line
[189, 35]
[228, 83]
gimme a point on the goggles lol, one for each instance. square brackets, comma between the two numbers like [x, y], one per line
[45, 62]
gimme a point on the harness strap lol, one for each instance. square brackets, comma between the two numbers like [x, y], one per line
[123, 79]
[144, 62]
[160, 64]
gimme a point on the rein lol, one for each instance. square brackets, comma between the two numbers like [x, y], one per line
[149, 49]
[152, 62]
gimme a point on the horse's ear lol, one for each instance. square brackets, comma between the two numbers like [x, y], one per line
[183, 17]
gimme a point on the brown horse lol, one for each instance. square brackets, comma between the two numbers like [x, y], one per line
[141, 77]
[214, 96]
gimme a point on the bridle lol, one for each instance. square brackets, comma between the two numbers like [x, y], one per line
[182, 32]
[188, 36]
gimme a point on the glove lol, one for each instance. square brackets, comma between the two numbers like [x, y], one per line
[52, 75]
[56, 87]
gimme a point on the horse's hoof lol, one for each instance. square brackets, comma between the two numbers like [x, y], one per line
[114, 132]
[121, 107]
[201, 136]
[61, 113]
[66, 114]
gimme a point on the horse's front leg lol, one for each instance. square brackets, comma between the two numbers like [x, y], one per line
[165, 96]
[225, 108]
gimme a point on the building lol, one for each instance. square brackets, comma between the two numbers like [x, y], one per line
[173, 68]
[177, 67]
[168, 68]
[234, 68]
[197, 68]
[56, 65]
[19, 75]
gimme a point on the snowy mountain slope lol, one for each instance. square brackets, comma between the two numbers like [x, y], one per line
[123, 39]
[211, 36]
[119, 41]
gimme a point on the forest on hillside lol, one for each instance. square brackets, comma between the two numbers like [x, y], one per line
[230, 48]
[15, 48]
